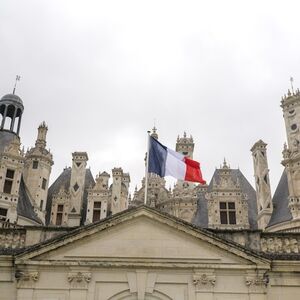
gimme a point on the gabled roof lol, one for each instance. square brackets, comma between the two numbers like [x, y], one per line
[83, 235]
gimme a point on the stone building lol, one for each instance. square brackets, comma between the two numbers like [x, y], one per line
[84, 238]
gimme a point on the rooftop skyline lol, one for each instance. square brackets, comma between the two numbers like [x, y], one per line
[101, 74]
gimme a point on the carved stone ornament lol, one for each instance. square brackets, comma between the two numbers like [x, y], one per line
[204, 279]
[79, 279]
[257, 281]
[26, 279]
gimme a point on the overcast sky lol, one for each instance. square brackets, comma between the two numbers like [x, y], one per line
[100, 72]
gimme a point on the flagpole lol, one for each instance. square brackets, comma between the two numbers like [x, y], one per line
[146, 167]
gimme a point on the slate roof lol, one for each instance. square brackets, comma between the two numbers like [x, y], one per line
[25, 208]
[201, 218]
[6, 138]
[63, 180]
[281, 212]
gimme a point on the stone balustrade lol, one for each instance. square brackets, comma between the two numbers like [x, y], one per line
[11, 238]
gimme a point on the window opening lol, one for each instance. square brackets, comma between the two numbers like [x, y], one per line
[97, 211]
[59, 214]
[227, 213]
[8, 181]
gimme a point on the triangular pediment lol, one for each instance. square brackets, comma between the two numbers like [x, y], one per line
[141, 235]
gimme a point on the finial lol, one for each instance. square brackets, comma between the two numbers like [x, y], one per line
[18, 77]
[184, 134]
[292, 87]
[154, 133]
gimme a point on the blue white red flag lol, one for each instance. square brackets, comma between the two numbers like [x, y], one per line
[164, 161]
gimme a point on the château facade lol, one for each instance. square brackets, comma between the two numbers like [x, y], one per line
[223, 240]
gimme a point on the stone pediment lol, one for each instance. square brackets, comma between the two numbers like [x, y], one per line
[141, 236]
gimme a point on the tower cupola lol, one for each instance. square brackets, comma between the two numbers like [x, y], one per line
[11, 110]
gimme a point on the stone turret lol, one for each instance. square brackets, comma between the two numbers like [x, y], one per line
[185, 145]
[11, 157]
[77, 187]
[262, 183]
[11, 162]
[291, 155]
[37, 170]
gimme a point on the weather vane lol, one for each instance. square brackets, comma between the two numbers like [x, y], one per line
[18, 77]
[292, 80]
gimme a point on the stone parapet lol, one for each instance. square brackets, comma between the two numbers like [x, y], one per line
[267, 242]
[16, 237]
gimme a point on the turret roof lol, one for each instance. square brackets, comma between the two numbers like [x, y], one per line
[12, 97]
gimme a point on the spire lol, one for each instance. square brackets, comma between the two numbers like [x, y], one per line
[42, 133]
[225, 166]
[292, 87]
[18, 78]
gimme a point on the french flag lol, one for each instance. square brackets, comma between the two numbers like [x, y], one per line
[164, 161]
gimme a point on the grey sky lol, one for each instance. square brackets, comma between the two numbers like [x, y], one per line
[100, 72]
